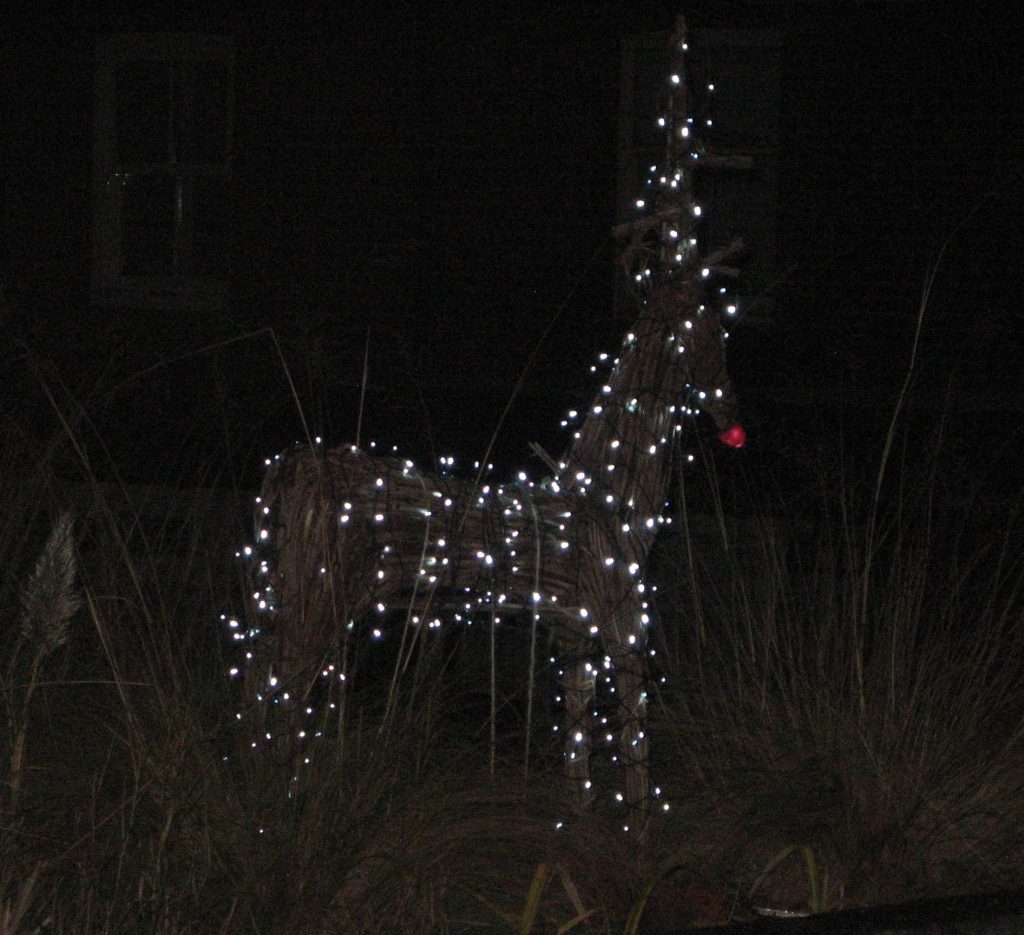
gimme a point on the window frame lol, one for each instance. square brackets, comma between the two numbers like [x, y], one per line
[182, 287]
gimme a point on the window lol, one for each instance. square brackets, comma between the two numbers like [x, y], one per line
[162, 171]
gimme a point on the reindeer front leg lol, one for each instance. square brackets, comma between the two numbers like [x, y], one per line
[578, 682]
[631, 687]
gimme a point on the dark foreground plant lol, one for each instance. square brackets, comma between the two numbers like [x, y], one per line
[850, 692]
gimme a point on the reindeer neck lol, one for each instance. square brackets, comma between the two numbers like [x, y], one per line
[621, 453]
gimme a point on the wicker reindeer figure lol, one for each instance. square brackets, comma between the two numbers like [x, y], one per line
[346, 539]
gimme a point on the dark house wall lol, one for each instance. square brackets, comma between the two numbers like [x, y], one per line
[445, 184]
[376, 194]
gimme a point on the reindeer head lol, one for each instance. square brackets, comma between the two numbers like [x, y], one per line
[694, 337]
[707, 375]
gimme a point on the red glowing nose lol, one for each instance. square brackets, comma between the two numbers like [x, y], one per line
[734, 436]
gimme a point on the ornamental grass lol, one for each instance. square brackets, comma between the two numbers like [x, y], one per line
[840, 724]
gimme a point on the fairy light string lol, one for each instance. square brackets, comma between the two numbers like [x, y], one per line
[349, 540]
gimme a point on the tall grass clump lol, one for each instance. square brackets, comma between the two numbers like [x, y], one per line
[846, 683]
[132, 799]
[49, 601]
[841, 723]
[108, 756]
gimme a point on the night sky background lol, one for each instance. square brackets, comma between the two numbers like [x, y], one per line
[444, 181]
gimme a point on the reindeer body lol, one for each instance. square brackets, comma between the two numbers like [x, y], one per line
[355, 537]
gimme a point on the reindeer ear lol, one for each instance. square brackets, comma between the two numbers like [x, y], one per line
[735, 436]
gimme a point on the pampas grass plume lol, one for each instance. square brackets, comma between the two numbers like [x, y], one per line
[49, 599]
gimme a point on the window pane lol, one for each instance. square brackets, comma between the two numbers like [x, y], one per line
[210, 226]
[143, 94]
[210, 112]
[147, 243]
